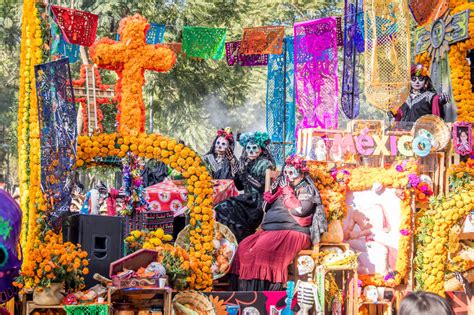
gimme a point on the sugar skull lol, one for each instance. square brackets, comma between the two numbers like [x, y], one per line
[253, 150]
[222, 144]
[305, 265]
[10, 253]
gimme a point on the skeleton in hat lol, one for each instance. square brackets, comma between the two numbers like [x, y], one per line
[220, 159]
[423, 99]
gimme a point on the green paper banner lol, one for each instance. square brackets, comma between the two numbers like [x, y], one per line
[204, 42]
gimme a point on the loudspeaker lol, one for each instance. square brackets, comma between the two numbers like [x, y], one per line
[100, 236]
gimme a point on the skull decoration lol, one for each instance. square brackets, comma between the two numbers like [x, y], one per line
[253, 150]
[305, 265]
[291, 173]
[10, 254]
[222, 144]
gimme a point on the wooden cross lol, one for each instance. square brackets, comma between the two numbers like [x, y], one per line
[129, 58]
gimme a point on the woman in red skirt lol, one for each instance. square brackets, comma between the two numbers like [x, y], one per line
[294, 221]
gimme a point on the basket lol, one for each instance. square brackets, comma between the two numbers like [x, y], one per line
[182, 240]
[197, 300]
[150, 220]
[77, 27]
[437, 127]
[92, 309]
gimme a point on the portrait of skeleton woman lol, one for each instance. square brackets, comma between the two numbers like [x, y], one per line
[423, 99]
[243, 213]
[220, 159]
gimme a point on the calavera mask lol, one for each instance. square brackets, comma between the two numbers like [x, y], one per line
[253, 150]
[291, 173]
[10, 256]
[222, 144]
[305, 265]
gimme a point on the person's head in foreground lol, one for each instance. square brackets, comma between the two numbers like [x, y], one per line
[424, 303]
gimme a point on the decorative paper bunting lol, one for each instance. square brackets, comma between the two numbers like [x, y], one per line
[204, 42]
[281, 101]
[60, 47]
[350, 101]
[233, 56]
[156, 33]
[387, 56]
[77, 27]
[58, 134]
[426, 11]
[316, 79]
[262, 40]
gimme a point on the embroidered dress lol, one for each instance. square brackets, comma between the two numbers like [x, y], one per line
[418, 105]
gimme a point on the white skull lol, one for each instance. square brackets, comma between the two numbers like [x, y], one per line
[291, 172]
[221, 145]
[253, 150]
[305, 265]
[371, 293]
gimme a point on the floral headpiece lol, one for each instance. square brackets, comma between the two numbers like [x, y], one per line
[298, 162]
[260, 138]
[226, 133]
[419, 70]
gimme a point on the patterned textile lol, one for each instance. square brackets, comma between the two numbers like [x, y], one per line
[173, 195]
[316, 79]
[262, 40]
[427, 11]
[387, 58]
[156, 34]
[233, 56]
[77, 27]
[350, 101]
[281, 100]
[60, 47]
[204, 42]
[58, 133]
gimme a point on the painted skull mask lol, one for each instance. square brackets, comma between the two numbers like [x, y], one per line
[10, 254]
[253, 150]
[291, 173]
[222, 144]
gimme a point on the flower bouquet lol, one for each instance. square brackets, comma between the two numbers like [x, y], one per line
[52, 262]
[146, 239]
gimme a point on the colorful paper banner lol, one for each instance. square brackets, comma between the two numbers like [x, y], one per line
[58, 134]
[77, 27]
[156, 33]
[204, 42]
[233, 56]
[262, 40]
[60, 47]
[316, 80]
[281, 100]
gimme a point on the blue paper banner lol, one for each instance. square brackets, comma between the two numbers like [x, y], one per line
[60, 47]
[58, 134]
[281, 101]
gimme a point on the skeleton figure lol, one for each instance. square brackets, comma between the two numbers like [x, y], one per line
[10, 253]
[307, 290]
[220, 159]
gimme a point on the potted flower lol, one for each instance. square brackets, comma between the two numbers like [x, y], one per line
[54, 266]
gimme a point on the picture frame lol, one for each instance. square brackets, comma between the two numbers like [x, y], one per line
[462, 138]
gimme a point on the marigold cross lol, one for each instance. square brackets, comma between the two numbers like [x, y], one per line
[129, 58]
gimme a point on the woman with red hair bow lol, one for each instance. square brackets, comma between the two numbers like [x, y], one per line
[294, 221]
[220, 159]
[423, 99]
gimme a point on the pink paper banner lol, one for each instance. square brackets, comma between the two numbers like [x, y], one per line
[316, 79]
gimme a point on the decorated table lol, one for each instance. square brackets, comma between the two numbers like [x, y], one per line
[172, 195]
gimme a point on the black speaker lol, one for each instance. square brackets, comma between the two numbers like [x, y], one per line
[100, 236]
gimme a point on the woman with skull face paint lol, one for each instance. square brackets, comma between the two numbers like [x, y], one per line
[243, 214]
[423, 99]
[294, 221]
[220, 159]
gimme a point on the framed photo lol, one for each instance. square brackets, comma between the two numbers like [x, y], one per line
[462, 138]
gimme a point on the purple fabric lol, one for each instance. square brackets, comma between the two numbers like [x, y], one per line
[233, 56]
[316, 79]
[10, 261]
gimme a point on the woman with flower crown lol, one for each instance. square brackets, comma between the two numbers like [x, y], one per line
[243, 213]
[423, 99]
[220, 159]
[295, 220]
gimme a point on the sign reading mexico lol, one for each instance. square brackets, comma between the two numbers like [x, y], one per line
[334, 145]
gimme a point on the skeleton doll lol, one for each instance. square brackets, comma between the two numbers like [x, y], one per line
[10, 253]
[307, 290]
[220, 159]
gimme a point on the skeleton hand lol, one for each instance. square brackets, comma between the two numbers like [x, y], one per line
[229, 154]
[444, 97]
[283, 182]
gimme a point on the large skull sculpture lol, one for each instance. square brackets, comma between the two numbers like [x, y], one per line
[253, 150]
[10, 256]
[221, 145]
